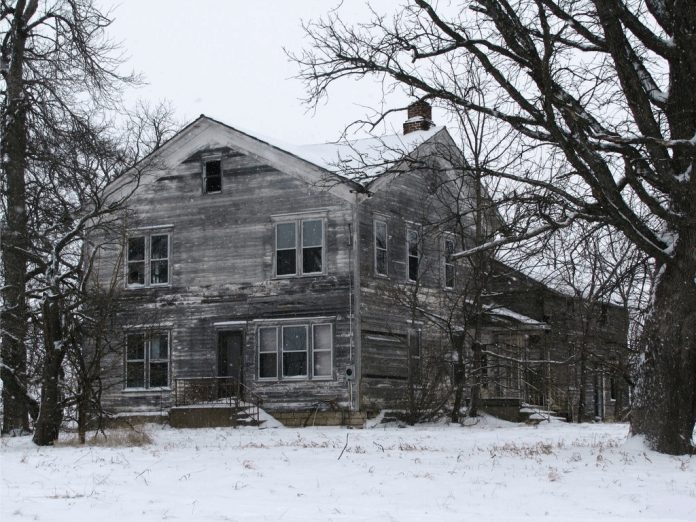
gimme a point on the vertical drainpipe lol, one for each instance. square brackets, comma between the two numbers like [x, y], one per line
[357, 336]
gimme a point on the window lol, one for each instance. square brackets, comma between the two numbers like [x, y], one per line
[286, 350]
[304, 249]
[147, 360]
[380, 234]
[450, 269]
[212, 176]
[294, 351]
[321, 365]
[268, 353]
[413, 252]
[148, 260]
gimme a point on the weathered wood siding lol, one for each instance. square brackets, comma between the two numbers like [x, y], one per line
[222, 270]
[406, 201]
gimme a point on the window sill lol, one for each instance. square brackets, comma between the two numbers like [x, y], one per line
[300, 276]
[145, 287]
[146, 391]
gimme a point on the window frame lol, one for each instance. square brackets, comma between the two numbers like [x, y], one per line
[448, 262]
[259, 352]
[376, 249]
[412, 228]
[299, 246]
[147, 259]
[147, 360]
[204, 173]
[310, 374]
[283, 351]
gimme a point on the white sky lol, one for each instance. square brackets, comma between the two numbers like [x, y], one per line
[225, 59]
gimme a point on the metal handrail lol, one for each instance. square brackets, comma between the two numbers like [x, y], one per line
[215, 390]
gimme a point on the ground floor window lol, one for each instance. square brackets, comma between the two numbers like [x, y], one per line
[147, 360]
[295, 351]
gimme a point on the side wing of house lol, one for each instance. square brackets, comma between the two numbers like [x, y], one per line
[234, 262]
[417, 215]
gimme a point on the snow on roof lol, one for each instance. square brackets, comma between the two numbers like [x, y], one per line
[510, 314]
[361, 159]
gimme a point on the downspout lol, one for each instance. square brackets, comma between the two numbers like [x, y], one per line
[357, 316]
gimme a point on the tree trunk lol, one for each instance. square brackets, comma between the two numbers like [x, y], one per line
[13, 315]
[665, 407]
[476, 386]
[459, 380]
[50, 413]
[582, 385]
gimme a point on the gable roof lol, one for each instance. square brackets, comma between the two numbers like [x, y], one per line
[344, 167]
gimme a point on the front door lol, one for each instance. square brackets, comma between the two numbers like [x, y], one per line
[230, 354]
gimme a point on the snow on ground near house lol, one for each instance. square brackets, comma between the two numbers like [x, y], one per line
[493, 471]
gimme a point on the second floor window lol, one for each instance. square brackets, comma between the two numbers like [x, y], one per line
[299, 247]
[380, 231]
[413, 253]
[450, 270]
[148, 260]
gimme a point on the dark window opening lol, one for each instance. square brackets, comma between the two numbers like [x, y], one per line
[136, 260]
[413, 254]
[449, 263]
[380, 248]
[213, 176]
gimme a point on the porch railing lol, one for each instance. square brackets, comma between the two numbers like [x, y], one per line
[216, 391]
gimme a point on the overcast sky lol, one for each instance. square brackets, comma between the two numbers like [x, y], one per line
[225, 59]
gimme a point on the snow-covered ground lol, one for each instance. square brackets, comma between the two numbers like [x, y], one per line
[493, 471]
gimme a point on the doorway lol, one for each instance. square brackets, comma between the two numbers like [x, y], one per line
[230, 357]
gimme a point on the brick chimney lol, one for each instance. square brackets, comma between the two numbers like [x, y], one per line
[420, 117]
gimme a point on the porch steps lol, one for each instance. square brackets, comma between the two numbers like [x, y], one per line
[211, 416]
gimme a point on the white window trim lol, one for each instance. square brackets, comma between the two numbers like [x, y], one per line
[147, 339]
[147, 235]
[259, 352]
[386, 247]
[282, 352]
[299, 245]
[323, 350]
[309, 326]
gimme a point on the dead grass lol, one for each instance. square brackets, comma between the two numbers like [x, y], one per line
[116, 438]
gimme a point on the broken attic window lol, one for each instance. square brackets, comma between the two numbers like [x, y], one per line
[213, 176]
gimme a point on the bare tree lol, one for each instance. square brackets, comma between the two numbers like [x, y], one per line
[604, 88]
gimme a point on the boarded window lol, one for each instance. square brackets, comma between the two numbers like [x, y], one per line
[380, 232]
[213, 176]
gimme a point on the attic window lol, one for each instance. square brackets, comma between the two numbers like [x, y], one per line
[212, 174]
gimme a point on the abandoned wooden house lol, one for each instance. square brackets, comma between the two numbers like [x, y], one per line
[302, 279]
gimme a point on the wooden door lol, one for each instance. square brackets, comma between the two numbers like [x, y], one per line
[230, 354]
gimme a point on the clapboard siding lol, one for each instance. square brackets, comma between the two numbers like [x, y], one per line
[221, 266]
